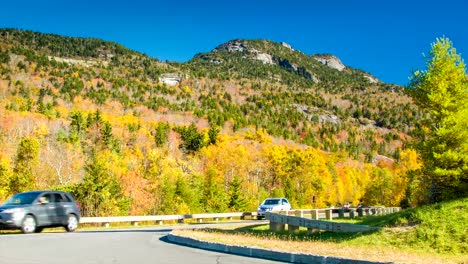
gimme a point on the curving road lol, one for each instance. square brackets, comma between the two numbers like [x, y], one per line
[132, 246]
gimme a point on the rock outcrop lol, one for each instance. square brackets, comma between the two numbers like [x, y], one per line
[371, 79]
[265, 58]
[232, 46]
[330, 61]
[170, 79]
[287, 45]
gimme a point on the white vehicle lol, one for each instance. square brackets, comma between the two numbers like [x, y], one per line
[273, 204]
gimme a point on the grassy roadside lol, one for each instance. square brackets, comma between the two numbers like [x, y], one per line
[429, 234]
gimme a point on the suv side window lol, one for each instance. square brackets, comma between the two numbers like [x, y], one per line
[58, 198]
[285, 201]
[66, 198]
[47, 198]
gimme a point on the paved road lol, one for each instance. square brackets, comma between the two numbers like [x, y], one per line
[132, 246]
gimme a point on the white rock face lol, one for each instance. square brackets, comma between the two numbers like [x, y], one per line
[85, 63]
[287, 45]
[265, 58]
[331, 61]
[232, 46]
[170, 79]
[371, 79]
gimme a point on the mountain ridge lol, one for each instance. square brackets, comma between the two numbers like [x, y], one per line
[301, 94]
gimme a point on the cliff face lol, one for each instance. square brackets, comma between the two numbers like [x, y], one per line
[330, 61]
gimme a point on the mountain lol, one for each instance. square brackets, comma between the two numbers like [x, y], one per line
[276, 62]
[128, 134]
[311, 99]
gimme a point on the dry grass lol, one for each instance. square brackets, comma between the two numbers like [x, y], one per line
[365, 252]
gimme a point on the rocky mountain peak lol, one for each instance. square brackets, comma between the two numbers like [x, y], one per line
[232, 46]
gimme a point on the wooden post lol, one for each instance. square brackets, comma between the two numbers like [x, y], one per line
[352, 213]
[360, 212]
[276, 226]
[299, 213]
[341, 213]
[314, 214]
[293, 228]
[329, 214]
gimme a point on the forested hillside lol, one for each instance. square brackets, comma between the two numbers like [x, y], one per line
[128, 134]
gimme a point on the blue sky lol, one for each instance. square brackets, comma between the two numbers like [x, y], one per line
[385, 38]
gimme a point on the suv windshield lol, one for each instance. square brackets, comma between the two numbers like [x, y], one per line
[21, 198]
[271, 201]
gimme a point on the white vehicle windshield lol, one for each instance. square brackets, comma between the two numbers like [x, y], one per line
[272, 201]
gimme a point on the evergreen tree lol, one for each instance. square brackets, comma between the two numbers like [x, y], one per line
[27, 157]
[161, 133]
[193, 140]
[213, 135]
[442, 91]
[236, 199]
[100, 194]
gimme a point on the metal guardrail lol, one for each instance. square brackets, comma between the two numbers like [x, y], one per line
[161, 218]
[278, 220]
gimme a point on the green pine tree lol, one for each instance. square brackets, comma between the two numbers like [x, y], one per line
[236, 199]
[442, 91]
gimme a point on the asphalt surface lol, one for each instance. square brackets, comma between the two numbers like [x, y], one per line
[115, 246]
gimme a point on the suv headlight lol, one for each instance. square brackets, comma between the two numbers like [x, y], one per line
[15, 212]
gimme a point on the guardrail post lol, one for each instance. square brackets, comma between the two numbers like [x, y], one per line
[299, 213]
[293, 228]
[135, 223]
[352, 213]
[341, 213]
[276, 226]
[360, 212]
[160, 222]
[329, 214]
[106, 225]
[216, 219]
[200, 220]
[229, 218]
[314, 214]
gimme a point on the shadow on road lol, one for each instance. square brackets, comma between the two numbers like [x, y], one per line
[142, 230]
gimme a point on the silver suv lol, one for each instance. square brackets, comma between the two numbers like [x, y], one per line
[273, 204]
[33, 211]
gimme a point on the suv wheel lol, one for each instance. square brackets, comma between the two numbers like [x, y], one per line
[72, 223]
[29, 224]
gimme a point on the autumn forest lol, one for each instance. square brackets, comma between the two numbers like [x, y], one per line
[231, 129]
